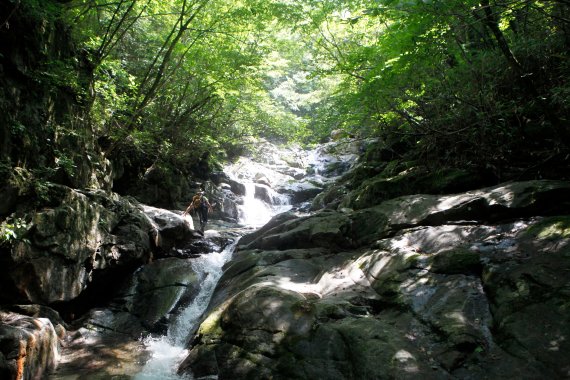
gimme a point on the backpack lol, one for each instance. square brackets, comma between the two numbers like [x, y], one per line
[197, 201]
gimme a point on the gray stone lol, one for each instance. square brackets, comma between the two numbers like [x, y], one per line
[419, 286]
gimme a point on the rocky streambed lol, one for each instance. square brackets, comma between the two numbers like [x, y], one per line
[472, 286]
[347, 281]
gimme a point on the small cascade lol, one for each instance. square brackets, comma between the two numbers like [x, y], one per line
[168, 351]
[278, 200]
[255, 213]
[315, 160]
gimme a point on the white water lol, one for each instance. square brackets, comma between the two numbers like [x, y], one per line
[255, 213]
[168, 351]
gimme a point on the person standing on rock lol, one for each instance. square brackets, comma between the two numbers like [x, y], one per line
[202, 205]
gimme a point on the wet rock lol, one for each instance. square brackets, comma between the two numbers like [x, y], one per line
[168, 228]
[237, 187]
[263, 192]
[301, 191]
[261, 179]
[419, 286]
[150, 295]
[322, 230]
[229, 208]
[219, 177]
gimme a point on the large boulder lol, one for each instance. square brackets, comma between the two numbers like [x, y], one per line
[350, 229]
[28, 347]
[417, 287]
[326, 229]
[169, 229]
[157, 185]
[159, 288]
[147, 301]
[81, 232]
[413, 180]
[301, 191]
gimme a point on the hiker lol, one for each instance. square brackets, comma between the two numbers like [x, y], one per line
[202, 206]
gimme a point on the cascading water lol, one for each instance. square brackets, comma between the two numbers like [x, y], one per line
[255, 213]
[167, 351]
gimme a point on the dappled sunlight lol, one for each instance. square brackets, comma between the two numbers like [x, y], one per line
[335, 280]
[358, 126]
[554, 345]
[99, 357]
[406, 360]
[501, 195]
[456, 316]
[449, 202]
[343, 279]
[287, 284]
[421, 290]
[430, 240]
[378, 262]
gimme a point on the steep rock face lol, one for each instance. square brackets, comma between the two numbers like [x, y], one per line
[83, 232]
[416, 287]
[84, 254]
[159, 186]
[44, 82]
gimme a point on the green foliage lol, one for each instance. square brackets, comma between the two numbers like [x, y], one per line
[471, 87]
[60, 73]
[40, 9]
[463, 83]
[13, 229]
[31, 183]
[65, 162]
[174, 79]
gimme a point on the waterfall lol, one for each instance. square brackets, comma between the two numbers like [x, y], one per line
[255, 213]
[168, 351]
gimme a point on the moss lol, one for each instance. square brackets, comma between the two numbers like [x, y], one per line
[411, 260]
[456, 260]
[212, 325]
[395, 167]
[557, 227]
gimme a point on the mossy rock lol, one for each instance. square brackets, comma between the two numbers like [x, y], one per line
[553, 228]
[386, 151]
[457, 260]
[415, 180]
[395, 167]
[329, 197]
[362, 172]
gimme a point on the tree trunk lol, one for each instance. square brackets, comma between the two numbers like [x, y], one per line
[492, 23]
